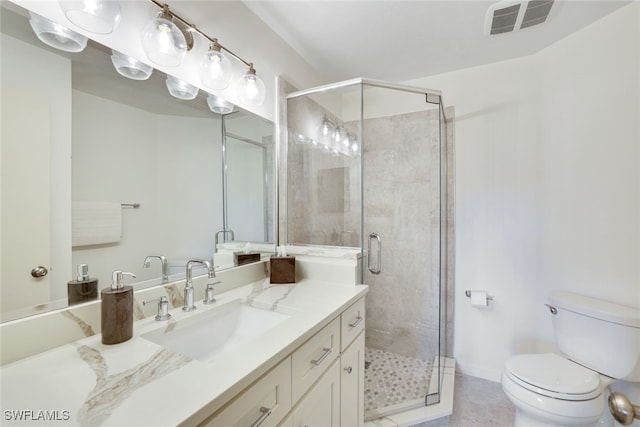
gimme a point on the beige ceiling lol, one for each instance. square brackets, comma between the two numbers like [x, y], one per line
[402, 40]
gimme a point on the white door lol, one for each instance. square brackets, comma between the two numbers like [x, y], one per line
[25, 229]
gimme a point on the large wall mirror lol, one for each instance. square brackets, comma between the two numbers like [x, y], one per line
[102, 170]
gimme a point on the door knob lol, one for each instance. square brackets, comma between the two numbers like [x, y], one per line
[39, 271]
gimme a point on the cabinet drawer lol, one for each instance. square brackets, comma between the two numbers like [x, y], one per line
[352, 323]
[312, 358]
[269, 400]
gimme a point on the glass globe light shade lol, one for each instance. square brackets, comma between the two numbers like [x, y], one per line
[326, 131]
[251, 89]
[219, 105]
[164, 42]
[129, 67]
[97, 16]
[354, 147]
[56, 35]
[181, 89]
[215, 69]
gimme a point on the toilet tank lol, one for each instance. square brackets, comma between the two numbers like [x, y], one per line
[601, 335]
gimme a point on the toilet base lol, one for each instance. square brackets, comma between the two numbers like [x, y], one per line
[523, 419]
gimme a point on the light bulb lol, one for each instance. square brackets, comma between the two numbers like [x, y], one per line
[97, 16]
[164, 42]
[181, 89]
[215, 68]
[326, 131]
[251, 88]
[56, 35]
[129, 67]
[219, 105]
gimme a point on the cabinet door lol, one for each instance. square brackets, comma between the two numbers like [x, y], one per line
[321, 406]
[352, 384]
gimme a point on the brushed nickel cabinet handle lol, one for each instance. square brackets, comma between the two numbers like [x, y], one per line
[326, 353]
[265, 413]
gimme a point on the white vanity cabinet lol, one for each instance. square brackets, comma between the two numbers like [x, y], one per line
[320, 384]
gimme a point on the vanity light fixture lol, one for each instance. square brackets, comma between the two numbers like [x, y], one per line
[130, 67]
[163, 41]
[215, 68]
[181, 89]
[251, 87]
[97, 16]
[56, 35]
[219, 105]
[167, 38]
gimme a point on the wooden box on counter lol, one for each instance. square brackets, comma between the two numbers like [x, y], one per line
[283, 269]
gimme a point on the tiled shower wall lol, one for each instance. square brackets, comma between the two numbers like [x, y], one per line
[402, 166]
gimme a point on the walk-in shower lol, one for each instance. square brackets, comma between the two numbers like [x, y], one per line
[367, 167]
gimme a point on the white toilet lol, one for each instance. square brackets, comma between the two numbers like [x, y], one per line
[600, 342]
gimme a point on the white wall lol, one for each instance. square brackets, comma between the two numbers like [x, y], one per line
[547, 186]
[170, 165]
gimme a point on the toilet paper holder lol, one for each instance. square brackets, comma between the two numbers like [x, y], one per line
[468, 294]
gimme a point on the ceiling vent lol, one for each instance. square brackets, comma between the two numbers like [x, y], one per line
[508, 16]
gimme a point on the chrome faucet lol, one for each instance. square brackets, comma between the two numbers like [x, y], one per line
[188, 286]
[165, 266]
[224, 236]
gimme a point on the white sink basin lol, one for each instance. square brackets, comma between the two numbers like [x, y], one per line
[213, 332]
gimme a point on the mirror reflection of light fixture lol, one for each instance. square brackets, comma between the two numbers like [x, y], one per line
[219, 105]
[97, 16]
[326, 130]
[215, 68]
[130, 67]
[163, 41]
[251, 88]
[56, 35]
[181, 89]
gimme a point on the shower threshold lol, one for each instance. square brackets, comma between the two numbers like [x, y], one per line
[414, 411]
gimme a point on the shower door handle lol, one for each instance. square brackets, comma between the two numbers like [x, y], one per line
[376, 270]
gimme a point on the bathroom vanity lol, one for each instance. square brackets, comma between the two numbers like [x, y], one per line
[305, 368]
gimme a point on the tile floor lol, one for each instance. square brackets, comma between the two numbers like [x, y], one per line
[391, 379]
[477, 403]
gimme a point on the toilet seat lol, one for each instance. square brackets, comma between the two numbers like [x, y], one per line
[553, 376]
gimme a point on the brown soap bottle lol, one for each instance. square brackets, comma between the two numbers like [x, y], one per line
[84, 288]
[117, 310]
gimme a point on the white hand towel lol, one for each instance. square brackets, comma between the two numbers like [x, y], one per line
[96, 223]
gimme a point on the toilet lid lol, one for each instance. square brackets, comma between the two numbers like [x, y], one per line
[554, 376]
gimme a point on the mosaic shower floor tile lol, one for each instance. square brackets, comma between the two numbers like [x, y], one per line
[391, 379]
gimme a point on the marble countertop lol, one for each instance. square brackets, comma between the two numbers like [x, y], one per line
[140, 383]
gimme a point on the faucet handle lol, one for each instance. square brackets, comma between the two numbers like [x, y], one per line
[163, 307]
[209, 299]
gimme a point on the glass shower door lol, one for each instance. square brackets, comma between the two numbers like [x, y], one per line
[365, 169]
[401, 217]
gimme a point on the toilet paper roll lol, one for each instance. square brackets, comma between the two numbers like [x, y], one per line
[479, 299]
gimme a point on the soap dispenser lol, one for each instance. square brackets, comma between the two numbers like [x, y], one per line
[84, 288]
[117, 310]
